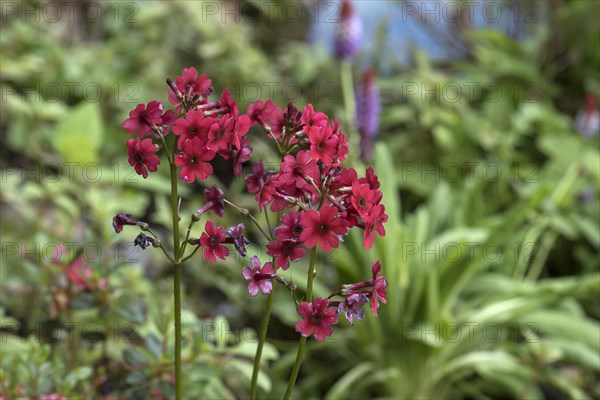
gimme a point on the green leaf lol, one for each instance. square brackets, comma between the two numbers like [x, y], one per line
[154, 345]
[246, 367]
[79, 134]
[344, 385]
[134, 357]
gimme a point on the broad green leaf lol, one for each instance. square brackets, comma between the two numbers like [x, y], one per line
[79, 134]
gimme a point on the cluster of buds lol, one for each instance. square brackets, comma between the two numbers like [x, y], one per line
[317, 199]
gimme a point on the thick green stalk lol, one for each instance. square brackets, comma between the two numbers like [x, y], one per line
[261, 342]
[302, 344]
[176, 281]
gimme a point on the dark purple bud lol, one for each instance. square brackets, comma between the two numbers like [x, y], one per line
[236, 236]
[122, 219]
[143, 241]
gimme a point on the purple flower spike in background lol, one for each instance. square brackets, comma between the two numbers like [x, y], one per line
[368, 108]
[348, 32]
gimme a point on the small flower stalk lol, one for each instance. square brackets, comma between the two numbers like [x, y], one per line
[312, 198]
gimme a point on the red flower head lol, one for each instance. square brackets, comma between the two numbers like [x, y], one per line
[291, 227]
[257, 182]
[294, 170]
[242, 126]
[379, 284]
[142, 118]
[189, 84]
[311, 118]
[214, 198]
[323, 228]
[260, 278]
[323, 144]
[241, 156]
[317, 318]
[142, 156]
[261, 113]
[122, 219]
[284, 252]
[193, 125]
[220, 135]
[374, 223]
[212, 242]
[227, 103]
[362, 198]
[194, 161]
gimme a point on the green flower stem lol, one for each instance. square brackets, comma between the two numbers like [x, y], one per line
[302, 344]
[190, 255]
[246, 213]
[349, 104]
[176, 281]
[187, 236]
[261, 342]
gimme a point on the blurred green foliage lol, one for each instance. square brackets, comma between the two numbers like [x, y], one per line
[493, 200]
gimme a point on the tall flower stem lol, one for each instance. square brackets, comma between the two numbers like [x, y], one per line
[349, 103]
[261, 342]
[302, 344]
[176, 280]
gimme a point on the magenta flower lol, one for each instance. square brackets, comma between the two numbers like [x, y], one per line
[261, 113]
[284, 252]
[311, 118]
[291, 227]
[323, 144]
[317, 318]
[374, 223]
[362, 198]
[143, 118]
[294, 170]
[194, 161]
[214, 198]
[212, 242]
[323, 228]
[122, 219]
[379, 284]
[188, 85]
[142, 156]
[258, 182]
[220, 135]
[193, 125]
[258, 277]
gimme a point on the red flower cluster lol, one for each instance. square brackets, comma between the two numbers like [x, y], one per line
[204, 129]
[320, 200]
[331, 199]
[209, 129]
